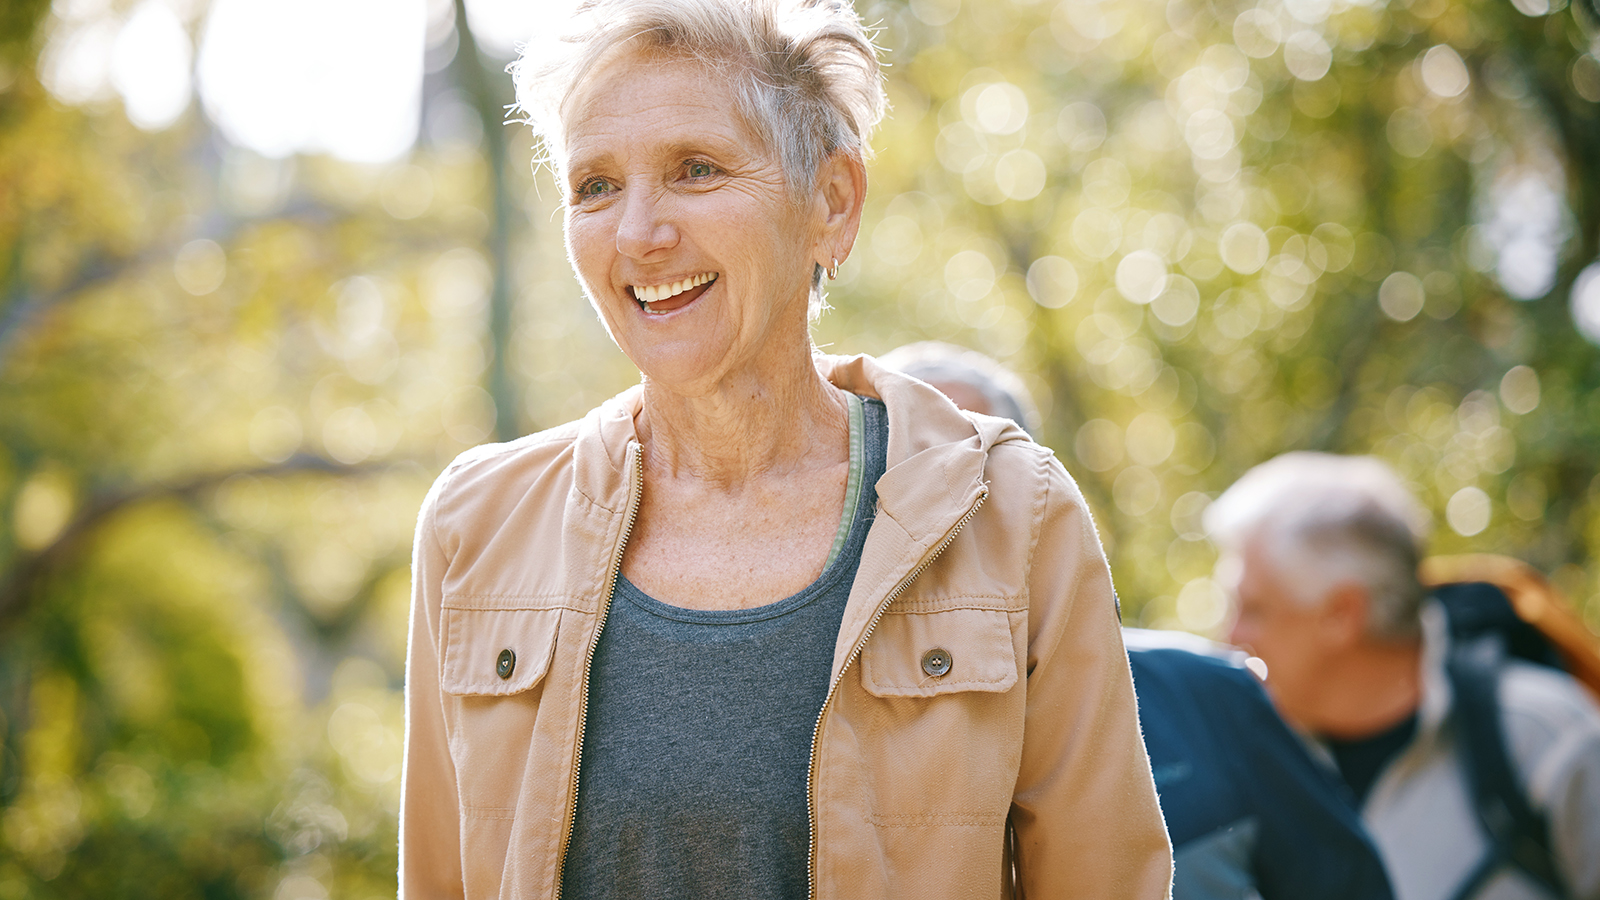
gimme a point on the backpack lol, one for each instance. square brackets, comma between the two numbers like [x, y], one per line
[1500, 608]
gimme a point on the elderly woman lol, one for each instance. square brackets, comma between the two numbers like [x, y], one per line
[771, 624]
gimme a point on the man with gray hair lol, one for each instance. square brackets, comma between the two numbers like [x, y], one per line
[1321, 554]
[970, 379]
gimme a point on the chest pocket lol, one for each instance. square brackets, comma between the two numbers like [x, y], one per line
[496, 652]
[924, 654]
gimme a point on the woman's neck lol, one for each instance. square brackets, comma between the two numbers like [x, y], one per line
[748, 426]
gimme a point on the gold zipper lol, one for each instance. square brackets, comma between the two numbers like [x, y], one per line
[635, 483]
[816, 730]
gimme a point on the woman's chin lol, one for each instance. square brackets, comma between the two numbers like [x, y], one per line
[683, 365]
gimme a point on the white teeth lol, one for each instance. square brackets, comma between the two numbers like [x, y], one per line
[657, 292]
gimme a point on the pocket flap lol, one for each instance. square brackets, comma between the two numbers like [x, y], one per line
[494, 652]
[907, 653]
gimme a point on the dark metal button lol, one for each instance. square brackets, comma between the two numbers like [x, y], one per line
[506, 663]
[936, 662]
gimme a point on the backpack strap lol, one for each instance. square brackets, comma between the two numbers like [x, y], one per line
[1534, 600]
[1518, 834]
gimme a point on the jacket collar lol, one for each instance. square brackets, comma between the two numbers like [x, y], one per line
[934, 474]
[936, 453]
[1436, 694]
[1437, 697]
[600, 452]
[1433, 710]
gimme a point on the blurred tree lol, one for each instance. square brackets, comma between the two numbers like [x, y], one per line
[491, 96]
[225, 382]
[1206, 232]
[19, 22]
[1217, 231]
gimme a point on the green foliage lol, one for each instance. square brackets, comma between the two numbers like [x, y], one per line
[1213, 232]
[213, 451]
[1204, 232]
[19, 20]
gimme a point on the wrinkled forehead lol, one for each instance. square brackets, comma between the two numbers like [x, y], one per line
[639, 59]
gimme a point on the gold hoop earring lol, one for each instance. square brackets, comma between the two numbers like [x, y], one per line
[833, 270]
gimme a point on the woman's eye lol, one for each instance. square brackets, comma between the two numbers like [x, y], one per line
[594, 186]
[699, 170]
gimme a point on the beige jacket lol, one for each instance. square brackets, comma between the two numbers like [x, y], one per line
[982, 546]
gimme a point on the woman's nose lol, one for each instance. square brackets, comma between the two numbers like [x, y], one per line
[644, 228]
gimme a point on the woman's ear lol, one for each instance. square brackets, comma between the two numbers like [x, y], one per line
[841, 193]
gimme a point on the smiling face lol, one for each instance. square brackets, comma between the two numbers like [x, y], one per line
[681, 227]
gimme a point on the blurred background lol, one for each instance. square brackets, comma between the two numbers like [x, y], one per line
[267, 265]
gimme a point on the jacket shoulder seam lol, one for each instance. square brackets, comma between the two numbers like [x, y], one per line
[490, 812]
[489, 453]
[924, 606]
[527, 601]
[431, 509]
[968, 820]
[1036, 527]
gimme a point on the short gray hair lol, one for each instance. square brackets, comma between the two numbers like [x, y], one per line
[807, 77]
[1325, 519]
[937, 361]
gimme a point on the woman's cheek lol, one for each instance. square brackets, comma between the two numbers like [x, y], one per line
[586, 247]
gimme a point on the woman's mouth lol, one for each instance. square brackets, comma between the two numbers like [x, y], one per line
[660, 299]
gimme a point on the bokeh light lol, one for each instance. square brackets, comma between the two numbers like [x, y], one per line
[150, 65]
[1586, 302]
[337, 76]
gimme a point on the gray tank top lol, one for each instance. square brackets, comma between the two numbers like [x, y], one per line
[698, 742]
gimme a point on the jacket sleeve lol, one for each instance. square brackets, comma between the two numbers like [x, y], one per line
[1554, 727]
[430, 832]
[1575, 817]
[1084, 811]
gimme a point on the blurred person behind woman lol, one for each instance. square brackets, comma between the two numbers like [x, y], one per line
[973, 381]
[1250, 814]
[1477, 776]
[770, 624]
